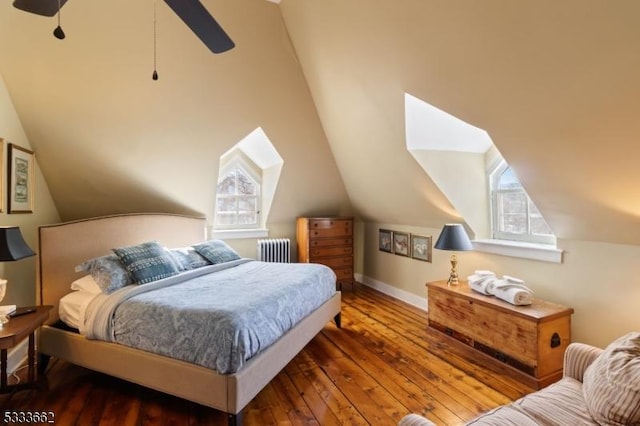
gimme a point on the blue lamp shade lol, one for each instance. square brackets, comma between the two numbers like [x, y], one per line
[12, 245]
[453, 237]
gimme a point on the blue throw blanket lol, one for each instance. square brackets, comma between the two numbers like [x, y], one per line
[218, 316]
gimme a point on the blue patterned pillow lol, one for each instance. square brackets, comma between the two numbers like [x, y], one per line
[147, 262]
[187, 258]
[107, 271]
[216, 251]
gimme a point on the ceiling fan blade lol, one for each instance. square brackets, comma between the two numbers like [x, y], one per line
[39, 7]
[196, 16]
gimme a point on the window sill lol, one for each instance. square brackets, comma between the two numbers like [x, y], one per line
[542, 252]
[236, 234]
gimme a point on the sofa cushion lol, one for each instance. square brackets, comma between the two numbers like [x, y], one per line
[561, 403]
[505, 415]
[612, 383]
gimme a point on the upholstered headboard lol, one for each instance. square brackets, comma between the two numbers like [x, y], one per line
[65, 245]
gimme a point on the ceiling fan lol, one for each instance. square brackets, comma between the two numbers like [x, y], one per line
[192, 12]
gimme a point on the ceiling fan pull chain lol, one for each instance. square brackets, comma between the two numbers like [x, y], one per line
[155, 73]
[58, 33]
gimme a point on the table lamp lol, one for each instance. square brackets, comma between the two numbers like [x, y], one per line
[12, 247]
[453, 237]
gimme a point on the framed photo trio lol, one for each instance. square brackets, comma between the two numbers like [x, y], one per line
[405, 244]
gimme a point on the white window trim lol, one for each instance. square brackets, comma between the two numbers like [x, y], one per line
[236, 234]
[533, 251]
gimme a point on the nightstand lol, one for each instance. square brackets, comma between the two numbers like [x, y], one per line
[13, 333]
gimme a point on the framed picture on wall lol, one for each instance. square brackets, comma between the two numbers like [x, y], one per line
[421, 247]
[401, 243]
[385, 240]
[1, 175]
[20, 179]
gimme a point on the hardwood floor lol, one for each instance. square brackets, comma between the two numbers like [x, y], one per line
[381, 365]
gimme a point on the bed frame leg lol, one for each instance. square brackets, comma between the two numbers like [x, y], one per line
[338, 320]
[235, 419]
[43, 362]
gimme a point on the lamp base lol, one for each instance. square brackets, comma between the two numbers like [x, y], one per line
[453, 276]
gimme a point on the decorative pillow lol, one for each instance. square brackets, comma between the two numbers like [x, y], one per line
[611, 384]
[216, 251]
[107, 271]
[86, 283]
[147, 262]
[187, 258]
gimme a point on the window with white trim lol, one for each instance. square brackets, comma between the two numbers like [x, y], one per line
[514, 216]
[238, 198]
[248, 177]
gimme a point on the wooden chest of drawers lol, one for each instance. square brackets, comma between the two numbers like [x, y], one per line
[327, 240]
[526, 342]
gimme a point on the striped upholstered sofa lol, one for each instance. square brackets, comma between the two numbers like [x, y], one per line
[599, 387]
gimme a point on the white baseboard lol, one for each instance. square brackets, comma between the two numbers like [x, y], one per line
[403, 295]
[17, 356]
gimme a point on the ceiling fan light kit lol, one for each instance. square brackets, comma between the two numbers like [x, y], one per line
[192, 12]
[58, 33]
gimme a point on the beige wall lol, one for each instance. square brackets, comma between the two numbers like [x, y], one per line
[598, 280]
[112, 140]
[21, 274]
[554, 83]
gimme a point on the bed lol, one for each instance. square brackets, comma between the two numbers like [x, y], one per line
[63, 246]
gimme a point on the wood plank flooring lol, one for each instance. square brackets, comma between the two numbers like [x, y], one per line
[381, 365]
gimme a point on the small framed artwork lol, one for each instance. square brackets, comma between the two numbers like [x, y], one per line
[20, 179]
[421, 247]
[401, 243]
[385, 240]
[1, 175]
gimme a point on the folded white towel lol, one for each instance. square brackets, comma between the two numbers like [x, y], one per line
[483, 272]
[513, 280]
[514, 295]
[504, 284]
[481, 283]
[472, 279]
[491, 286]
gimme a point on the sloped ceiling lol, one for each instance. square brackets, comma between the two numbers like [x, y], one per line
[555, 83]
[109, 139]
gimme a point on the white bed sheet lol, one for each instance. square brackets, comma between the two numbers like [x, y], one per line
[72, 307]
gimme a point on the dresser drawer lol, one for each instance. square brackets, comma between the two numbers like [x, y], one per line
[330, 251]
[331, 232]
[327, 242]
[329, 223]
[344, 274]
[335, 262]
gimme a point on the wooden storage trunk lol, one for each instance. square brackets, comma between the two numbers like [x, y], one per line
[526, 342]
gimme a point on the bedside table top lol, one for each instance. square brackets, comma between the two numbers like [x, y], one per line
[20, 327]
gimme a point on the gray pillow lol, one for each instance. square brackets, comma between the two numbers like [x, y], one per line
[107, 271]
[187, 258]
[216, 251]
[611, 384]
[147, 262]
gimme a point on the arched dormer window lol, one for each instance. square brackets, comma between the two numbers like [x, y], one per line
[514, 216]
[238, 198]
[247, 180]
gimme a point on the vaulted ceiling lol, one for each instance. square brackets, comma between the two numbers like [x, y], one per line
[554, 83]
